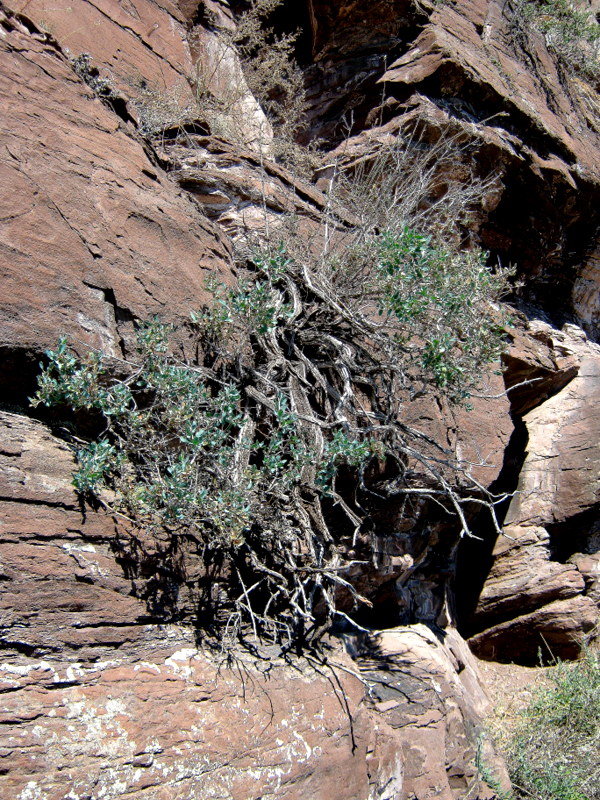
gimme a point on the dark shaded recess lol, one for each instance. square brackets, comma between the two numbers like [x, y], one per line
[195, 12]
[291, 17]
[19, 368]
[19, 371]
[342, 27]
[177, 578]
[474, 558]
[531, 647]
[393, 528]
[344, 94]
[342, 86]
[573, 535]
[7, 642]
[341, 97]
[543, 226]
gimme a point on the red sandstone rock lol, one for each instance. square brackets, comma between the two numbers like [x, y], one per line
[523, 578]
[104, 697]
[538, 364]
[528, 591]
[133, 43]
[100, 699]
[561, 474]
[176, 724]
[428, 691]
[555, 630]
[93, 235]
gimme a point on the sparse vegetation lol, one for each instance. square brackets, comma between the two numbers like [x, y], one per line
[570, 31]
[159, 109]
[270, 68]
[552, 751]
[103, 87]
[259, 64]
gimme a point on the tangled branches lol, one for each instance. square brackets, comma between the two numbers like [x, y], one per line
[299, 392]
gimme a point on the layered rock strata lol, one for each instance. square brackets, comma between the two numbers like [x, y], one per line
[105, 690]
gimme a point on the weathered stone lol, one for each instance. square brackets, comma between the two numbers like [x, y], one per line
[427, 689]
[586, 294]
[560, 477]
[537, 365]
[588, 564]
[552, 514]
[101, 234]
[238, 189]
[176, 724]
[131, 706]
[523, 578]
[63, 591]
[234, 112]
[138, 44]
[555, 630]
[103, 694]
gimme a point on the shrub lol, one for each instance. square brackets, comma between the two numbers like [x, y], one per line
[303, 371]
[256, 60]
[553, 752]
[270, 68]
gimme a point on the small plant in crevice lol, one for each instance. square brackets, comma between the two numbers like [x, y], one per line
[304, 368]
[82, 64]
[158, 109]
[102, 87]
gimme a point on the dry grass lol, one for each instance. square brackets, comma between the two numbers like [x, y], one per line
[547, 723]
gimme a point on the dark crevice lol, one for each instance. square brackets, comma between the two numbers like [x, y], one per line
[29, 501]
[292, 17]
[565, 221]
[197, 16]
[101, 87]
[24, 649]
[577, 534]
[108, 624]
[474, 558]
[120, 313]
[19, 368]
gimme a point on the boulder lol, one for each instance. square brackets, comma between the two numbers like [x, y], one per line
[426, 687]
[560, 477]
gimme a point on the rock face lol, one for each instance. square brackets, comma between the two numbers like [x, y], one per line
[100, 699]
[426, 688]
[481, 71]
[534, 585]
[136, 44]
[93, 234]
[119, 195]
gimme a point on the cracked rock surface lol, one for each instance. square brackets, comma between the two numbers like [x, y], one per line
[105, 691]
